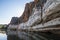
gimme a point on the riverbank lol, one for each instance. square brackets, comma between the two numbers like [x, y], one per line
[3, 31]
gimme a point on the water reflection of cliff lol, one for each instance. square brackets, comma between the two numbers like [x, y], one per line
[33, 36]
[12, 37]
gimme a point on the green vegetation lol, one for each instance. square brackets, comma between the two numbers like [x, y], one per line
[2, 26]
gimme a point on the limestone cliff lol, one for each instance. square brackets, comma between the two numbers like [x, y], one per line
[39, 15]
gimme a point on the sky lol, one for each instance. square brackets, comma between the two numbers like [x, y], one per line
[11, 8]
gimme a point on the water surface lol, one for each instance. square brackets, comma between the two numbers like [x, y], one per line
[3, 36]
[29, 36]
[21, 35]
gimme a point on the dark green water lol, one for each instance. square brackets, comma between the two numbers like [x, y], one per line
[30, 36]
[33, 36]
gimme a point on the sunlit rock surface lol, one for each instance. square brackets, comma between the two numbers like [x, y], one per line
[12, 26]
[51, 10]
[48, 24]
[33, 19]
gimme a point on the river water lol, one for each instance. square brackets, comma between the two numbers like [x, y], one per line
[30, 36]
[3, 36]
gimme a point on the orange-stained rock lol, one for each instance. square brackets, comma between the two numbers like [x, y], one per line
[27, 12]
[36, 1]
[39, 3]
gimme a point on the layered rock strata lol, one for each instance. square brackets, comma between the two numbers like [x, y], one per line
[31, 18]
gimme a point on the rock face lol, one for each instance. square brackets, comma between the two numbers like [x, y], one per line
[27, 12]
[14, 21]
[51, 17]
[50, 10]
[41, 2]
[33, 19]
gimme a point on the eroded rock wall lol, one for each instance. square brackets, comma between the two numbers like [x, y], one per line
[32, 14]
